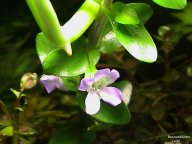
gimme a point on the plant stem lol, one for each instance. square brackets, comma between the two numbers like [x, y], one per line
[81, 20]
[16, 119]
[48, 22]
[16, 128]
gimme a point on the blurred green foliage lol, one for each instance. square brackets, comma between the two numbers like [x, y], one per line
[161, 102]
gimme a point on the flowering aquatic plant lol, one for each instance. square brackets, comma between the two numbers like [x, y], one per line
[97, 88]
[52, 82]
[66, 53]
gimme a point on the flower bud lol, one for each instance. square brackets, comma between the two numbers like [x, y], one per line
[28, 81]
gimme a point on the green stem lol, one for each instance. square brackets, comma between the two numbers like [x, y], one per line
[48, 22]
[81, 20]
[95, 35]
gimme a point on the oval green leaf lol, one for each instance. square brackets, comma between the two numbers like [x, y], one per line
[57, 62]
[173, 4]
[137, 41]
[109, 114]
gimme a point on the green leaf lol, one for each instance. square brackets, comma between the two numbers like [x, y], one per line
[173, 4]
[135, 38]
[137, 41]
[127, 16]
[72, 133]
[144, 11]
[15, 92]
[43, 46]
[109, 114]
[7, 131]
[19, 109]
[57, 62]
[133, 12]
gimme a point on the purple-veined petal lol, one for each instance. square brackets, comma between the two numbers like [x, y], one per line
[85, 83]
[49, 82]
[106, 77]
[111, 95]
[92, 103]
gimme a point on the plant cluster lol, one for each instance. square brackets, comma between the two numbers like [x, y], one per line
[80, 62]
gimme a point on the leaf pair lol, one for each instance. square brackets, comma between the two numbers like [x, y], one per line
[127, 22]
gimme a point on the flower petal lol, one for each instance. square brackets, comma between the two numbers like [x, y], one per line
[92, 103]
[49, 82]
[85, 83]
[111, 95]
[52, 82]
[106, 76]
